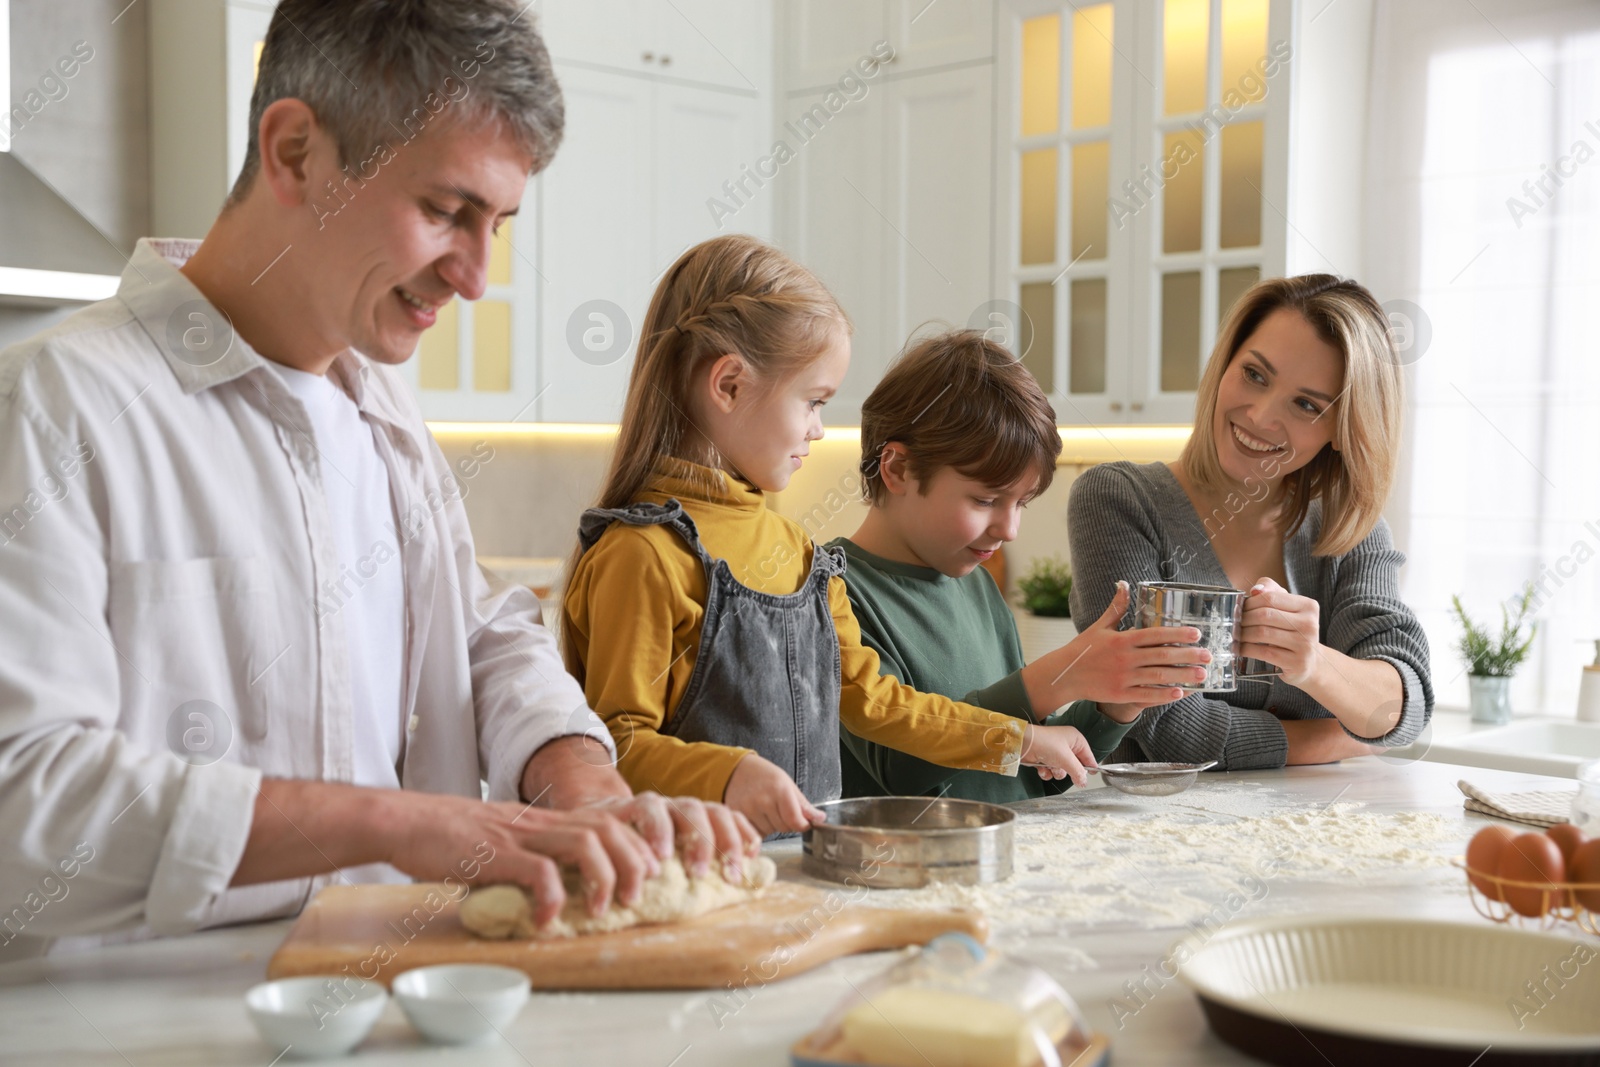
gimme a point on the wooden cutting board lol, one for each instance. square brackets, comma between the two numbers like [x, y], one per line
[378, 931]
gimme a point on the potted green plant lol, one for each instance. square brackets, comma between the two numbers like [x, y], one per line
[1046, 621]
[1493, 658]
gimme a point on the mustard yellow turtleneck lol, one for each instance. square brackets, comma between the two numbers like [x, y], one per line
[631, 616]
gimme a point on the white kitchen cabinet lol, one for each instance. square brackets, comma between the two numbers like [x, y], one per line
[939, 198]
[704, 41]
[595, 206]
[889, 197]
[644, 160]
[823, 39]
[626, 195]
[832, 199]
[937, 33]
[1143, 185]
[607, 33]
[650, 165]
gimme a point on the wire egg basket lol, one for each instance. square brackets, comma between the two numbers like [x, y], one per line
[1558, 901]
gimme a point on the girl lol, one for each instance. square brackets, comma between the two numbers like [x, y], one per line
[710, 633]
[1280, 490]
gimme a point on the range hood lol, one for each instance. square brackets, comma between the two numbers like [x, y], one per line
[50, 254]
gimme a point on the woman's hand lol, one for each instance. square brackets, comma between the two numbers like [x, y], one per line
[1322, 741]
[1058, 752]
[1129, 670]
[768, 797]
[1282, 629]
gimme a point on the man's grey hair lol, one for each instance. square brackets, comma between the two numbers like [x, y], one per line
[377, 73]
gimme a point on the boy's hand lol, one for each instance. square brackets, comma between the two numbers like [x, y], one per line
[1124, 713]
[1058, 752]
[1137, 668]
[769, 798]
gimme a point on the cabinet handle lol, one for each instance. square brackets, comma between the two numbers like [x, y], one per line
[1136, 406]
[648, 57]
[1116, 405]
[666, 61]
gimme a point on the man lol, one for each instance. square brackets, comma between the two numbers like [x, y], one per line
[243, 641]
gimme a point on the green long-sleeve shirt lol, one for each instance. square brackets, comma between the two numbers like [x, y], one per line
[955, 637]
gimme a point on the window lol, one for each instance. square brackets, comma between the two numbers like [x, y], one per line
[1063, 146]
[1139, 139]
[1485, 215]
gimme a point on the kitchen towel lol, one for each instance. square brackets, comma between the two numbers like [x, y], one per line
[1540, 809]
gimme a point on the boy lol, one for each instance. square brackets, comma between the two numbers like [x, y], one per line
[955, 441]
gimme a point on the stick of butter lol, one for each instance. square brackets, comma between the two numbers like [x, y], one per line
[911, 1026]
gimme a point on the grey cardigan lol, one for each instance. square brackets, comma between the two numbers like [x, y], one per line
[1135, 522]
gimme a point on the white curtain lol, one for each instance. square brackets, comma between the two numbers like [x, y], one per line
[1483, 208]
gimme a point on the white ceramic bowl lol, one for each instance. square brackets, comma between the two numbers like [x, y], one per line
[324, 1015]
[457, 1003]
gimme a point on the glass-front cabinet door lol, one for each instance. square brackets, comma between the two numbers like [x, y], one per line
[1145, 150]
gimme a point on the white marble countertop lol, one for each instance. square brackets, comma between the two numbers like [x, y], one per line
[180, 1001]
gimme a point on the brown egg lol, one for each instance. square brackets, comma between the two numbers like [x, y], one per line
[1585, 869]
[1531, 857]
[1483, 855]
[1567, 838]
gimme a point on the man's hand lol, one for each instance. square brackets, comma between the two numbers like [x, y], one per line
[432, 835]
[302, 828]
[577, 772]
[571, 772]
[1136, 668]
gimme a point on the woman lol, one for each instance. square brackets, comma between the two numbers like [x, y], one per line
[1280, 491]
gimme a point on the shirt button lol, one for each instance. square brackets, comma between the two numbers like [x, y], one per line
[411, 726]
[1273, 709]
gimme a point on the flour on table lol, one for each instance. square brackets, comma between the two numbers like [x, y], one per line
[1112, 859]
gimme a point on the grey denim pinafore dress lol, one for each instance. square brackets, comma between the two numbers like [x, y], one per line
[766, 675]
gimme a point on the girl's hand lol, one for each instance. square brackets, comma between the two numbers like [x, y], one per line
[769, 798]
[1134, 669]
[1282, 629]
[1058, 752]
[700, 830]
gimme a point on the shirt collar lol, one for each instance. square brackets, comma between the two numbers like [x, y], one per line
[198, 342]
[686, 480]
[895, 567]
[195, 339]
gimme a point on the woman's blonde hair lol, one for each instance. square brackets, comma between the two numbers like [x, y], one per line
[732, 294]
[1353, 474]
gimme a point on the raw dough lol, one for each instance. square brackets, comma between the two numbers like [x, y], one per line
[499, 912]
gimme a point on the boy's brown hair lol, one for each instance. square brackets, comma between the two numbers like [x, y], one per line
[959, 400]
